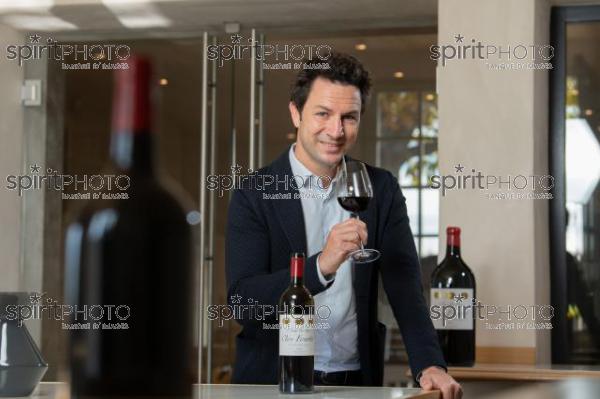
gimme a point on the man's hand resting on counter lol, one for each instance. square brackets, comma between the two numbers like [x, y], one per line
[343, 239]
[437, 378]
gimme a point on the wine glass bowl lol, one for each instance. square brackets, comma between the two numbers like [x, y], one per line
[354, 196]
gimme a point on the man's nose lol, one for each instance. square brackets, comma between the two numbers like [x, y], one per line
[336, 128]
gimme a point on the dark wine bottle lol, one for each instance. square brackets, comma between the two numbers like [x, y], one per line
[452, 297]
[129, 268]
[296, 333]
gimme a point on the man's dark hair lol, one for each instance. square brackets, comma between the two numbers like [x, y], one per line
[343, 68]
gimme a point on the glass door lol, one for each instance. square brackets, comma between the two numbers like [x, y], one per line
[575, 155]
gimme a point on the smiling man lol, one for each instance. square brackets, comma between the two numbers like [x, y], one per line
[326, 106]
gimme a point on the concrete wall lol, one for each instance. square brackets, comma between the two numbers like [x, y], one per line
[11, 144]
[496, 122]
[27, 137]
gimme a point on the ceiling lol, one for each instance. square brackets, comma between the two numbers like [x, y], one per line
[150, 18]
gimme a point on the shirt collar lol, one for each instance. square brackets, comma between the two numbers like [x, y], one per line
[298, 169]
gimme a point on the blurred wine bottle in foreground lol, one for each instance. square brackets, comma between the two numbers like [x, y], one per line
[129, 268]
[452, 294]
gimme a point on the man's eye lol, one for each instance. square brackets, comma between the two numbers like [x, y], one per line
[322, 113]
[350, 117]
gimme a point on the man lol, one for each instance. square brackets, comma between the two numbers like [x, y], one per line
[263, 229]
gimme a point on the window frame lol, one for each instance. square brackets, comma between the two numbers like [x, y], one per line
[559, 18]
[421, 91]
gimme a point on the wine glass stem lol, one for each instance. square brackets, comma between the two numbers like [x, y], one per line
[362, 247]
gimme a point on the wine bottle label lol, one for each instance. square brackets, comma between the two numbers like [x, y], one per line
[452, 308]
[296, 335]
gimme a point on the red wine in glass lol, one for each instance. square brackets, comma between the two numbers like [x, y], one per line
[354, 204]
[354, 197]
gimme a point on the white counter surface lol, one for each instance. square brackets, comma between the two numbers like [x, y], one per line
[214, 391]
[57, 390]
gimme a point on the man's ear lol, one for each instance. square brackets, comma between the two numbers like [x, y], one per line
[295, 114]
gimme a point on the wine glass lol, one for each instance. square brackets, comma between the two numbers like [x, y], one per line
[354, 196]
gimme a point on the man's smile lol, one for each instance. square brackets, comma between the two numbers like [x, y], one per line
[335, 147]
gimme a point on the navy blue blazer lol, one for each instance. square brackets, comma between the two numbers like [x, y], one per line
[261, 235]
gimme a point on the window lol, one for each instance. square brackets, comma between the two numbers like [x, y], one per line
[406, 145]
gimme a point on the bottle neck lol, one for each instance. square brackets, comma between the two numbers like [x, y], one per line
[297, 281]
[453, 245]
[131, 144]
[453, 251]
[297, 271]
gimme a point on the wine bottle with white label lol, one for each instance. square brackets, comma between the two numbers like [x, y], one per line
[296, 333]
[452, 296]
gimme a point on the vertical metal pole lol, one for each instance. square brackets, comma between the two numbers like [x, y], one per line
[261, 88]
[211, 212]
[202, 201]
[420, 169]
[232, 121]
[251, 163]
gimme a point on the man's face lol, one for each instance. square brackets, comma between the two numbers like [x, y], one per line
[328, 125]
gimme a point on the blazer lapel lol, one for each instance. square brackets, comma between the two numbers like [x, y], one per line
[288, 211]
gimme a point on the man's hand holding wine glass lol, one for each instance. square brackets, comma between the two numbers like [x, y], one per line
[343, 239]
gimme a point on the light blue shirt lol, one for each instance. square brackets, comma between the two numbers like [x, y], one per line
[336, 347]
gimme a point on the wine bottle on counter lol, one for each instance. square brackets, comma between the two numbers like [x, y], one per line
[296, 333]
[129, 268]
[452, 295]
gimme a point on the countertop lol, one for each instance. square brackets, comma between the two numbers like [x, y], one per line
[516, 372]
[58, 390]
[567, 389]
